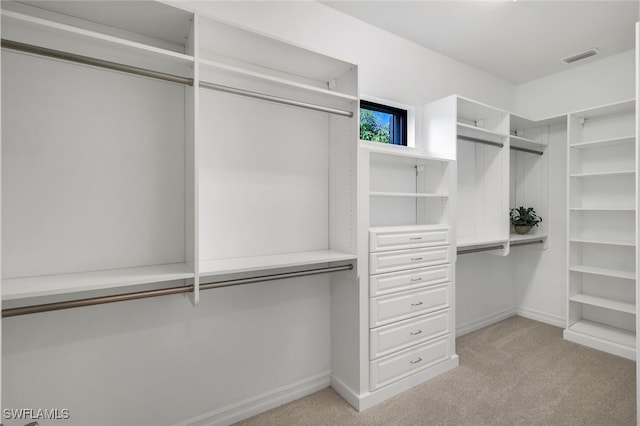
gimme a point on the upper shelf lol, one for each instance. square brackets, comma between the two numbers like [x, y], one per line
[269, 56]
[264, 263]
[148, 47]
[50, 285]
[481, 133]
[602, 143]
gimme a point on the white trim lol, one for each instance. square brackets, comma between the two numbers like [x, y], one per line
[544, 317]
[411, 116]
[241, 410]
[485, 321]
[369, 399]
[346, 392]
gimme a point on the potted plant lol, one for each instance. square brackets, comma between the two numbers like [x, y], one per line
[523, 219]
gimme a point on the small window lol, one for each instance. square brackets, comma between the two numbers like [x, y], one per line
[382, 123]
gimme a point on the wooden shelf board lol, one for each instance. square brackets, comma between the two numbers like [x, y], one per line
[601, 143]
[603, 209]
[608, 272]
[480, 133]
[406, 194]
[526, 143]
[274, 261]
[598, 174]
[614, 335]
[48, 285]
[408, 228]
[96, 37]
[527, 237]
[277, 80]
[391, 151]
[616, 305]
[612, 243]
[480, 241]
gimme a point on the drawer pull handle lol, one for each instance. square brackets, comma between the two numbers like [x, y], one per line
[415, 238]
[416, 304]
[416, 279]
[413, 259]
[416, 361]
[415, 333]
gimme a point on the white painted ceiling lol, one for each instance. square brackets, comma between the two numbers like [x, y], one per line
[518, 41]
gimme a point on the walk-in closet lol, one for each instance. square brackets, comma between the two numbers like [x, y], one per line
[327, 212]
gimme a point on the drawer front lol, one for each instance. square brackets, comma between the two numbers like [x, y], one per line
[400, 260]
[408, 280]
[397, 366]
[404, 334]
[399, 306]
[409, 238]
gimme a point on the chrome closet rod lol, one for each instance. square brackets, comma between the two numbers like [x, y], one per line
[530, 151]
[526, 243]
[87, 60]
[477, 250]
[477, 140]
[100, 300]
[271, 98]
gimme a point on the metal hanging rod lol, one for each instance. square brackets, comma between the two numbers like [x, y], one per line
[482, 141]
[55, 306]
[87, 60]
[271, 98]
[477, 250]
[530, 151]
[526, 243]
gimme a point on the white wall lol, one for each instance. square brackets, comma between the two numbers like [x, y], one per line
[161, 361]
[604, 81]
[541, 276]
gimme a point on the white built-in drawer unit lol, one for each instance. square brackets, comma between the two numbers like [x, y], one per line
[399, 260]
[403, 334]
[398, 238]
[408, 304]
[393, 282]
[394, 367]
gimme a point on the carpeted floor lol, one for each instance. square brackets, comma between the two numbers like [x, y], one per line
[515, 372]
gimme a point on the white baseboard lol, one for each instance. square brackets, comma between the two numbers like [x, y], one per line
[479, 323]
[345, 392]
[258, 404]
[542, 317]
[370, 399]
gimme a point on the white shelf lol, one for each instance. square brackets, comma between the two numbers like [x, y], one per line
[517, 238]
[602, 143]
[408, 228]
[86, 41]
[480, 133]
[607, 272]
[49, 285]
[275, 261]
[480, 241]
[612, 243]
[598, 174]
[614, 335]
[603, 209]
[520, 142]
[393, 151]
[603, 302]
[406, 194]
[275, 80]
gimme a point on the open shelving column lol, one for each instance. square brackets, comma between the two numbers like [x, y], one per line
[407, 257]
[601, 217]
[97, 204]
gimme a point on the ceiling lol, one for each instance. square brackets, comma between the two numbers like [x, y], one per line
[518, 41]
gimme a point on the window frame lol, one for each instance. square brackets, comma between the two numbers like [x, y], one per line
[397, 132]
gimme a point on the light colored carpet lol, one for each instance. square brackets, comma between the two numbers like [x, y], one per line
[515, 372]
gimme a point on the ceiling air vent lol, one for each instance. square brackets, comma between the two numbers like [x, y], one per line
[582, 55]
